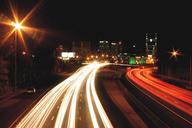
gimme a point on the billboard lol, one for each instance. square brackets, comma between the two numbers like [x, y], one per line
[68, 54]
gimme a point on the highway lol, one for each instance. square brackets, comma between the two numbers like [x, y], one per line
[72, 103]
[166, 97]
[141, 99]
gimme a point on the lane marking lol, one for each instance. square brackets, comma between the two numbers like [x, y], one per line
[52, 118]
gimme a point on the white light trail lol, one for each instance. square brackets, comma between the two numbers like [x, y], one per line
[90, 104]
[100, 109]
[68, 91]
[78, 85]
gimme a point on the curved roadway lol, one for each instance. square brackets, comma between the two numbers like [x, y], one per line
[179, 98]
[72, 103]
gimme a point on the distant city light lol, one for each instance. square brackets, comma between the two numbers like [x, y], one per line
[132, 60]
[149, 56]
[33, 56]
[142, 61]
[138, 57]
[113, 43]
[24, 53]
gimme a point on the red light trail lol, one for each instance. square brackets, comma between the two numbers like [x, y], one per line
[178, 97]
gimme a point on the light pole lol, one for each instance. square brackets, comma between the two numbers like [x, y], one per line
[15, 75]
[17, 26]
[174, 53]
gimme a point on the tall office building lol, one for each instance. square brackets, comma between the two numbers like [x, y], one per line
[120, 47]
[151, 46]
[104, 47]
[81, 48]
[114, 48]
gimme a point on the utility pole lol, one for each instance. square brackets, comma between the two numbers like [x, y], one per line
[15, 75]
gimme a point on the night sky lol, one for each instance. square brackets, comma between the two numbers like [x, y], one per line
[126, 21]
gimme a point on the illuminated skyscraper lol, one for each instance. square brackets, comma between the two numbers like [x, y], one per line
[114, 48]
[104, 47]
[120, 47]
[81, 48]
[151, 46]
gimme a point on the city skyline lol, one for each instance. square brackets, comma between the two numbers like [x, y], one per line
[67, 64]
[121, 22]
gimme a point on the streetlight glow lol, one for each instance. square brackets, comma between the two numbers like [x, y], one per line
[174, 53]
[18, 26]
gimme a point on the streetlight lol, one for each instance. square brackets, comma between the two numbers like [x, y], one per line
[17, 28]
[17, 25]
[175, 53]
